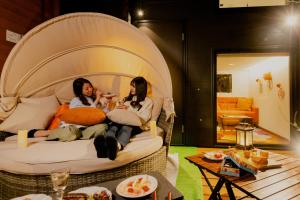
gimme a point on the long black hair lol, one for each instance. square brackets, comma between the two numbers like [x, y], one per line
[77, 88]
[140, 85]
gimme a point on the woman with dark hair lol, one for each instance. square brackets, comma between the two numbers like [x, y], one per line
[84, 92]
[85, 97]
[118, 135]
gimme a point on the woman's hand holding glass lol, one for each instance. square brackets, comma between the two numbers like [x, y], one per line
[98, 93]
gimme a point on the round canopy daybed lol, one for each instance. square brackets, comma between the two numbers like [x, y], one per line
[107, 51]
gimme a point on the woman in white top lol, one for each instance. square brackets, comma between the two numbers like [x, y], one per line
[118, 135]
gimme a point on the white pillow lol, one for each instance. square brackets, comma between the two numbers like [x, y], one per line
[126, 117]
[7, 106]
[50, 101]
[28, 116]
[157, 105]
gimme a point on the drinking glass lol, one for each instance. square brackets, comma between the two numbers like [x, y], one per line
[111, 104]
[59, 178]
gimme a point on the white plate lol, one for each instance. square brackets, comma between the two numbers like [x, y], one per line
[211, 155]
[92, 190]
[34, 197]
[122, 188]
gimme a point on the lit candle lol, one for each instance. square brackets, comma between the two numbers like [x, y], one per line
[153, 128]
[249, 139]
[242, 138]
[22, 138]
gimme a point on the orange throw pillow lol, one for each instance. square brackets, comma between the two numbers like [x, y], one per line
[86, 116]
[56, 119]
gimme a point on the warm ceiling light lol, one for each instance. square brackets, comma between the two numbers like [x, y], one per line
[140, 13]
[231, 64]
[291, 20]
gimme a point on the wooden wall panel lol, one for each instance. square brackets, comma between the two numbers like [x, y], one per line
[20, 16]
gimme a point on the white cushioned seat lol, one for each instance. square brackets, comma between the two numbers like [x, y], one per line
[43, 156]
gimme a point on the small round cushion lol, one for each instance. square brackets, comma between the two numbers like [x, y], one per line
[86, 116]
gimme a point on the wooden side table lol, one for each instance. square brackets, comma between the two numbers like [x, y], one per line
[223, 119]
[272, 184]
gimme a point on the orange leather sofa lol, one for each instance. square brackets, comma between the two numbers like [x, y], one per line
[232, 106]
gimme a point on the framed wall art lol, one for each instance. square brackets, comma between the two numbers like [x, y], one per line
[224, 83]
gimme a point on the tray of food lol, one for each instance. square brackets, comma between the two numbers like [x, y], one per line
[89, 193]
[255, 159]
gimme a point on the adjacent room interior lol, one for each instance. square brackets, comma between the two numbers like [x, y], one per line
[253, 88]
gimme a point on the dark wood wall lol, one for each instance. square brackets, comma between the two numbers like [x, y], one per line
[20, 16]
[171, 46]
[209, 30]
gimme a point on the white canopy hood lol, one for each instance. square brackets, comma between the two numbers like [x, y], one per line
[106, 50]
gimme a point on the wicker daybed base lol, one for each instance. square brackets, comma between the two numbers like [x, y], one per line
[14, 185]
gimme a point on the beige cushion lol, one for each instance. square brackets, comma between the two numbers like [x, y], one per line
[31, 113]
[157, 105]
[218, 106]
[7, 106]
[126, 117]
[50, 101]
[244, 103]
[28, 116]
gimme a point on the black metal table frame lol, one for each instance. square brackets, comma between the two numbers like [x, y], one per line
[215, 191]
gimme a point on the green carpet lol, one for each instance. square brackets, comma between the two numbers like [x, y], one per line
[188, 180]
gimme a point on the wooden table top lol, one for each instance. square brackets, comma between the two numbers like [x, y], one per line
[280, 183]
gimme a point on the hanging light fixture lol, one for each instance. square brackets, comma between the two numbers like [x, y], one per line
[292, 19]
[140, 12]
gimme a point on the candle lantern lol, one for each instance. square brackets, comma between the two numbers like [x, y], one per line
[22, 138]
[153, 129]
[244, 136]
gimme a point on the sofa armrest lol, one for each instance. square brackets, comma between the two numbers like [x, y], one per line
[255, 110]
